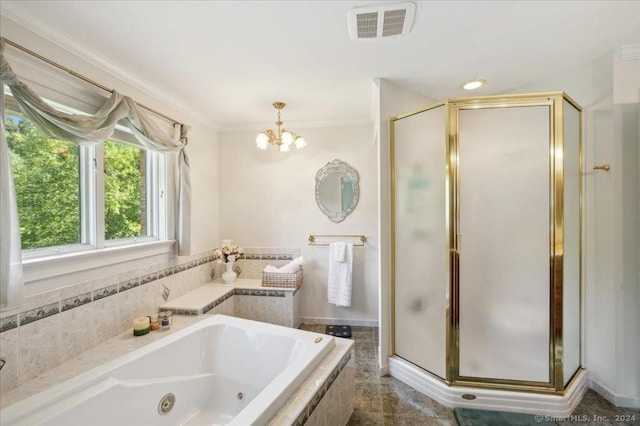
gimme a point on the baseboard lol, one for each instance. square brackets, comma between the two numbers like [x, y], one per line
[487, 399]
[615, 399]
[339, 321]
[384, 370]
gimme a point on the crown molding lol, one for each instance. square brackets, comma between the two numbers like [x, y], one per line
[294, 125]
[13, 12]
[628, 53]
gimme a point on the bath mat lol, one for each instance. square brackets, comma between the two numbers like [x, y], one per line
[470, 417]
[338, 330]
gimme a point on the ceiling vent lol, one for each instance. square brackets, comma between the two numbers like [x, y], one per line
[377, 21]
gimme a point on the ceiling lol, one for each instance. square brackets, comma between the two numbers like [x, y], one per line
[225, 62]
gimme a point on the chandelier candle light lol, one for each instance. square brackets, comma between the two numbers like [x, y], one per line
[283, 139]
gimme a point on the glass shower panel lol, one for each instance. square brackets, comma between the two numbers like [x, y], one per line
[504, 243]
[420, 240]
[571, 258]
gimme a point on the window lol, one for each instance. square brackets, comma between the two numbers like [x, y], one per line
[125, 208]
[45, 172]
[73, 198]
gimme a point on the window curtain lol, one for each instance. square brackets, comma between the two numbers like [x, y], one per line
[80, 129]
[11, 280]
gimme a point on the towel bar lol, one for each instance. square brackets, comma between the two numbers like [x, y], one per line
[312, 239]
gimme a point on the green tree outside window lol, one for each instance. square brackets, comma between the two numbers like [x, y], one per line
[46, 173]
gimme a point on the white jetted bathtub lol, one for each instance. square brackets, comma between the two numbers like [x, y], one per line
[221, 370]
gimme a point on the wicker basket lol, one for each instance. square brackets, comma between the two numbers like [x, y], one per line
[282, 279]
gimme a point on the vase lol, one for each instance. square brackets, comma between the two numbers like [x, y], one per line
[229, 276]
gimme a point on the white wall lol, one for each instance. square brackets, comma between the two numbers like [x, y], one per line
[629, 295]
[392, 100]
[204, 158]
[612, 249]
[267, 199]
[626, 74]
[612, 276]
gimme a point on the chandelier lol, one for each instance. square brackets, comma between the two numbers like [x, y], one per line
[283, 139]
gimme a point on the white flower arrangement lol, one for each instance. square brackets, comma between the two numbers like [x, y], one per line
[228, 252]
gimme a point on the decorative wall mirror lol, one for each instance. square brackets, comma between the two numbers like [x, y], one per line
[337, 190]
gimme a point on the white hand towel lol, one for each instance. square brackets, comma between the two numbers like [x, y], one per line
[339, 250]
[270, 268]
[340, 282]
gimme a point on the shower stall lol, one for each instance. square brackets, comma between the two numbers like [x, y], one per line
[486, 256]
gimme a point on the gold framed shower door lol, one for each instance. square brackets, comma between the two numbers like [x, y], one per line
[555, 102]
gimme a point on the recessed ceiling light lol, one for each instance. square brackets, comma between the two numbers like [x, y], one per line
[473, 84]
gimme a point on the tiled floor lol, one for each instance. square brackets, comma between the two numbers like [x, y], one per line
[594, 407]
[388, 401]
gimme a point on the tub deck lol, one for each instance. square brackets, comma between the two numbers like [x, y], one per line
[199, 385]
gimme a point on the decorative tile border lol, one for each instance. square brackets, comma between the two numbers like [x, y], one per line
[145, 279]
[105, 292]
[266, 253]
[165, 273]
[128, 285]
[192, 312]
[32, 315]
[8, 323]
[227, 295]
[320, 393]
[255, 292]
[74, 302]
[218, 301]
[39, 313]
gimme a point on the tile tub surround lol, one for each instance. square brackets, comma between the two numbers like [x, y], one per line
[275, 305]
[52, 327]
[109, 349]
[324, 398]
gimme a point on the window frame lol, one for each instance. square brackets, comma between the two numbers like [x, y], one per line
[94, 250]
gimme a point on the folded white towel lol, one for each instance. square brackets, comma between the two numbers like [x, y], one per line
[339, 251]
[340, 280]
[293, 266]
[289, 268]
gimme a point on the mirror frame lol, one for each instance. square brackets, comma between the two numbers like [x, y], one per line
[338, 166]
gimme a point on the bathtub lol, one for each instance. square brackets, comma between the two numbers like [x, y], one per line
[220, 371]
